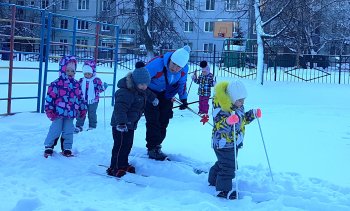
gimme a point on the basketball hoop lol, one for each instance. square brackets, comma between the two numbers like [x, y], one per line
[223, 29]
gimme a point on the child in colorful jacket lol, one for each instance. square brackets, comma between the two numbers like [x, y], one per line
[64, 102]
[91, 87]
[205, 81]
[228, 113]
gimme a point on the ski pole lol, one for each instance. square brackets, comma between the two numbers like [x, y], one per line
[195, 73]
[192, 102]
[190, 109]
[236, 166]
[104, 110]
[267, 157]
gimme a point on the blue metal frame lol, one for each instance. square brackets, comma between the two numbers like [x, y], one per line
[115, 62]
[48, 39]
[42, 34]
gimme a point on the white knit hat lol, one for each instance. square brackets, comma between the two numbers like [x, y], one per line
[87, 69]
[236, 90]
[181, 56]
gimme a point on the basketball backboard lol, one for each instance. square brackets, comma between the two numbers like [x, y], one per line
[223, 29]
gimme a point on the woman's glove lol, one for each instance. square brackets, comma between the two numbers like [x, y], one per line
[233, 119]
[184, 104]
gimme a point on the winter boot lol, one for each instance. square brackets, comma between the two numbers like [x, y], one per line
[110, 171]
[48, 151]
[67, 153]
[130, 169]
[119, 173]
[231, 195]
[157, 154]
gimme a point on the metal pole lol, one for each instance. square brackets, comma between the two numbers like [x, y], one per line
[97, 41]
[267, 157]
[104, 109]
[115, 61]
[235, 146]
[42, 43]
[75, 21]
[47, 55]
[12, 45]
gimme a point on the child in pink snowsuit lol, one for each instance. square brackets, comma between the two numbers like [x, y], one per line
[64, 102]
[91, 86]
[205, 81]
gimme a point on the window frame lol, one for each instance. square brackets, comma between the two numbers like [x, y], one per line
[83, 25]
[83, 4]
[210, 27]
[189, 26]
[189, 5]
[210, 6]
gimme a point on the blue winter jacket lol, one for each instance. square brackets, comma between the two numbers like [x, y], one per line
[176, 81]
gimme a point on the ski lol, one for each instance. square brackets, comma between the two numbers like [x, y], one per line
[120, 179]
[195, 169]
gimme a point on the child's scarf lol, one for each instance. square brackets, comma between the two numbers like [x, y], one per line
[91, 90]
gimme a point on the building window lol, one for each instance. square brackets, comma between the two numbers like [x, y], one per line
[64, 5]
[189, 44]
[83, 25]
[208, 47]
[82, 42]
[210, 5]
[83, 4]
[208, 26]
[190, 5]
[167, 2]
[64, 24]
[44, 4]
[231, 4]
[62, 42]
[105, 27]
[189, 26]
[104, 5]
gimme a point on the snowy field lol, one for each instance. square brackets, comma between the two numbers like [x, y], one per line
[306, 130]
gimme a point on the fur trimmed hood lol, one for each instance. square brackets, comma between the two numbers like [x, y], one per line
[221, 97]
[127, 82]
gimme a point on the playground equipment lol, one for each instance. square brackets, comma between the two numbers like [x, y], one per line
[51, 36]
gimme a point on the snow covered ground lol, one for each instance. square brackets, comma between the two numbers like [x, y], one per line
[306, 130]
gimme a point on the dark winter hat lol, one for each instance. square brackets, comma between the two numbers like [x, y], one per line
[141, 76]
[203, 64]
[139, 64]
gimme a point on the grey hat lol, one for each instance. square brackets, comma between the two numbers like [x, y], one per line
[141, 76]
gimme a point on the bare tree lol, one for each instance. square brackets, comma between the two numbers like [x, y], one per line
[267, 13]
[155, 21]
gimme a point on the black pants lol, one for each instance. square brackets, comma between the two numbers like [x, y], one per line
[157, 120]
[121, 148]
